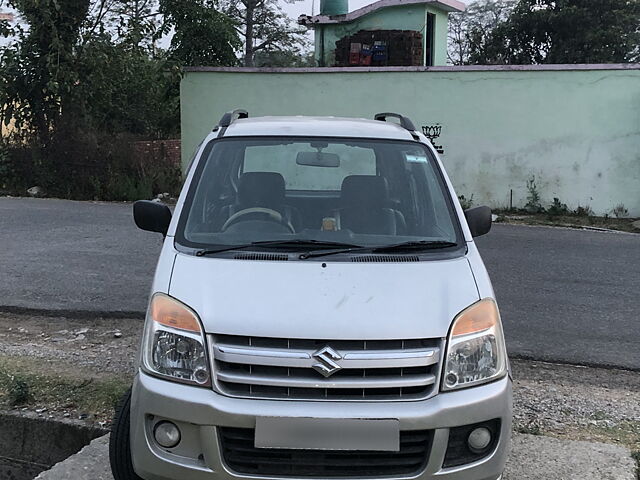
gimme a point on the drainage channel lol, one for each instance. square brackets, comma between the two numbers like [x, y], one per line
[30, 445]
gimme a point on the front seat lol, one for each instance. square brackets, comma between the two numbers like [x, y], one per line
[262, 190]
[364, 201]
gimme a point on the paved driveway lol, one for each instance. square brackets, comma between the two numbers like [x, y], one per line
[564, 294]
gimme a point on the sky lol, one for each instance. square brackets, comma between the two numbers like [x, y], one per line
[300, 7]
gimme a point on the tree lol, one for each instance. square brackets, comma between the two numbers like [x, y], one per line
[38, 70]
[203, 35]
[565, 31]
[123, 90]
[137, 23]
[469, 30]
[284, 58]
[264, 28]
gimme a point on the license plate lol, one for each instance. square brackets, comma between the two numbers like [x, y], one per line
[328, 433]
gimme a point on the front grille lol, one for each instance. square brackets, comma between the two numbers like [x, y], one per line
[241, 456]
[281, 368]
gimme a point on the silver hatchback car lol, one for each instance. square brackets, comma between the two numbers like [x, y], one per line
[319, 310]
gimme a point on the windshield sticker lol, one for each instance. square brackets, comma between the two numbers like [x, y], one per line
[416, 158]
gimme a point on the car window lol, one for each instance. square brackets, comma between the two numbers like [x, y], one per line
[354, 160]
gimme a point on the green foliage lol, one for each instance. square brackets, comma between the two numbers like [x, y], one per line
[145, 99]
[283, 58]
[80, 81]
[203, 35]
[530, 429]
[106, 167]
[563, 31]
[70, 68]
[469, 30]
[37, 70]
[558, 208]
[466, 203]
[18, 391]
[620, 211]
[266, 30]
[583, 211]
[533, 204]
[8, 176]
[24, 382]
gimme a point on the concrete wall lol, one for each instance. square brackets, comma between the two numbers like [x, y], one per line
[31, 444]
[577, 131]
[405, 17]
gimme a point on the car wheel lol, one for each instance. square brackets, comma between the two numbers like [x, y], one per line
[119, 442]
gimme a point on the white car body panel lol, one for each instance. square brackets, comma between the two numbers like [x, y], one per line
[303, 299]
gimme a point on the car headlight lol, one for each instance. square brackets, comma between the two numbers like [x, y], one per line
[174, 346]
[476, 351]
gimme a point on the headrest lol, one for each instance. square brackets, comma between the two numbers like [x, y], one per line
[261, 189]
[364, 191]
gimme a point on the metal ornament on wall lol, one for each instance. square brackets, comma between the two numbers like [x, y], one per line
[432, 132]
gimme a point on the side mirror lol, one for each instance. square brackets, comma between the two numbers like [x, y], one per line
[152, 216]
[479, 220]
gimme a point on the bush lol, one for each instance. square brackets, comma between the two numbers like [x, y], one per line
[620, 211]
[89, 166]
[585, 211]
[18, 391]
[466, 203]
[533, 204]
[558, 208]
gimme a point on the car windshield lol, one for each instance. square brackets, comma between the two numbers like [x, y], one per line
[325, 191]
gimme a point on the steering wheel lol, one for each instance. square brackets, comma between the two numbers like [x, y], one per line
[271, 214]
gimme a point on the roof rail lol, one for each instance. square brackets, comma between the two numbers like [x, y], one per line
[230, 117]
[405, 122]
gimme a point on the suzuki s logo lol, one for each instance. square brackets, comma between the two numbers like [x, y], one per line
[327, 358]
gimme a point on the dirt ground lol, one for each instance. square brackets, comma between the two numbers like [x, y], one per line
[571, 221]
[78, 368]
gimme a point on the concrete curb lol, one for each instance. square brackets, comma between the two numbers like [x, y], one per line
[532, 458]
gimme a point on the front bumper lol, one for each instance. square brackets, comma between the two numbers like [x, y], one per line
[198, 411]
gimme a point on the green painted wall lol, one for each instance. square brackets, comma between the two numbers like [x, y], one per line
[577, 132]
[405, 17]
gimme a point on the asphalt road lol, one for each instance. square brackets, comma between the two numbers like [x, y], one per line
[565, 295]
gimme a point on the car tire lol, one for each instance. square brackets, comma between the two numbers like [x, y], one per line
[119, 442]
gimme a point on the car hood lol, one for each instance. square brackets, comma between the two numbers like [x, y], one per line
[310, 299]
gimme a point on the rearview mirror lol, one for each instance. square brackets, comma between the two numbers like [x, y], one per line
[479, 220]
[318, 159]
[152, 216]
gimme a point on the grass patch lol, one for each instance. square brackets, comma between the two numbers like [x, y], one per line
[625, 433]
[531, 429]
[23, 385]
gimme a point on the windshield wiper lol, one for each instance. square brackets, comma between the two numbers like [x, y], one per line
[277, 243]
[414, 245]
